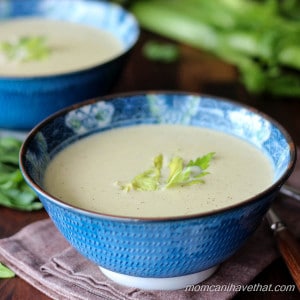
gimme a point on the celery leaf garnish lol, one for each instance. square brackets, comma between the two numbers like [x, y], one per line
[148, 180]
[25, 49]
[192, 173]
[180, 174]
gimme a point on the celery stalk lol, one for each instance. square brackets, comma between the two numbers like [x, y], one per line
[167, 20]
[251, 35]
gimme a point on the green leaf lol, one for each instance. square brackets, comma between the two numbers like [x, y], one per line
[5, 272]
[162, 52]
[192, 173]
[202, 162]
[14, 191]
[148, 180]
[9, 150]
[10, 177]
[179, 174]
[25, 49]
[175, 166]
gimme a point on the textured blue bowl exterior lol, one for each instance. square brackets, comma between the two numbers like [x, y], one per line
[158, 247]
[25, 101]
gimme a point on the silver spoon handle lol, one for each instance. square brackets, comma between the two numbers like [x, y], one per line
[290, 191]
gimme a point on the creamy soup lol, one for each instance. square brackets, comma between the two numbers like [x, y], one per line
[85, 173]
[72, 46]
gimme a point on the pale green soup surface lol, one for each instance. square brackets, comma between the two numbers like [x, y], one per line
[73, 46]
[85, 173]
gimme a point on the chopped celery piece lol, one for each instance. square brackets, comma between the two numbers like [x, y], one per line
[25, 49]
[5, 272]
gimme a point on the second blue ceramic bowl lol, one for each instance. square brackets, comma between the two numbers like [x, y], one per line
[25, 101]
[157, 253]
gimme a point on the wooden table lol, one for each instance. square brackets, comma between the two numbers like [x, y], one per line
[194, 72]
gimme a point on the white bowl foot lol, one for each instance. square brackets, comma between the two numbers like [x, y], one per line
[166, 283]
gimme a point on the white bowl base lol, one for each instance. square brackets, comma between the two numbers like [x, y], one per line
[166, 283]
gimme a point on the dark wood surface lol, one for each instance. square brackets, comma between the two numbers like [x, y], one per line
[194, 72]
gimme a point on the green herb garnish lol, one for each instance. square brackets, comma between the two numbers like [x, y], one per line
[5, 272]
[180, 174]
[14, 191]
[148, 180]
[162, 52]
[25, 49]
[192, 173]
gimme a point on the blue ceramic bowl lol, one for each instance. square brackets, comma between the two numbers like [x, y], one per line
[157, 249]
[25, 101]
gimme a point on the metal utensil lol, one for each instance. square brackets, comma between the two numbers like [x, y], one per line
[290, 191]
[287, 245]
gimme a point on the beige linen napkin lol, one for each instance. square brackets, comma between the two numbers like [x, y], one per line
[41, 256]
